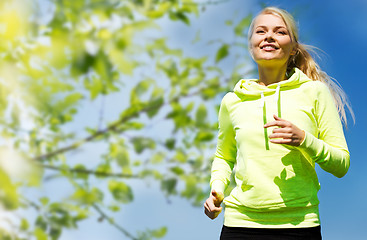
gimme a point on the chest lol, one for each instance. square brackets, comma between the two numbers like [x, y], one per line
[249, 117]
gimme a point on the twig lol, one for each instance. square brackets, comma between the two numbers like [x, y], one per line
[114, 127]
[112, 222]
[205, 3]
[86, 171]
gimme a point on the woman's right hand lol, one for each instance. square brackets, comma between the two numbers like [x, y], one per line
[212, 204]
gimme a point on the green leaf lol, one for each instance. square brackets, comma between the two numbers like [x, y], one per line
[122, 158]
[241, 26]
[179, 15]
[150, 172]
[114, 208]
[81, 174]
[177, 170]
[40, 234]
[142, 143]
[55, 232]
[160, 11]
[191, 187]
[120, 191]
[103, 168]
[201, 115]
[44, 200]
[204, 136]
[159, 233]
[170, 143]
[8, 192]
[157, 157]
[41, 223]
[24, 225]
[222, 53]
[169, 186]
[180, 156]
[143, 86]
[87, 197]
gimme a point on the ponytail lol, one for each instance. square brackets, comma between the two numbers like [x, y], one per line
[303, 60]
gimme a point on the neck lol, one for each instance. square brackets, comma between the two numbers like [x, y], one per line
[269, 75]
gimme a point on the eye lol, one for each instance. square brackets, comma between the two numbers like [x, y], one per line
[281, 32]
[260, 31]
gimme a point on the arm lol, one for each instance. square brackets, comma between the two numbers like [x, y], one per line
[330, 149]
[226, 152]
[223, 163]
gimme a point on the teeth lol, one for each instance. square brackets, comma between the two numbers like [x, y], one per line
[268, 47]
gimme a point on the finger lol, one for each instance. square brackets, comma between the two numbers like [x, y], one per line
[206, 205]
[214, 193]
[278, 118]
[281, 135]
[210, 204]
[276, 123]
[281, 140]
[282, 130]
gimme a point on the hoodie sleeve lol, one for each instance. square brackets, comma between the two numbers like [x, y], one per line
[329, 149]
[226, 151]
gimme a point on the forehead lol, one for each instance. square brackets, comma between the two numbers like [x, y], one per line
[269, 20]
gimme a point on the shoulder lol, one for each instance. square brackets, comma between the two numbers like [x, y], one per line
[230, 98]
[316, 88]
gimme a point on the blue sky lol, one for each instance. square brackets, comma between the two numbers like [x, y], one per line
[336, 27]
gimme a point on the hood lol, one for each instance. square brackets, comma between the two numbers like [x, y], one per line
[250, 88]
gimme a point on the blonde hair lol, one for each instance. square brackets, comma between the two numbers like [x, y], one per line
[303, 60]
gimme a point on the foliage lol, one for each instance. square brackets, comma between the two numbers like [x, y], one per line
[90, 52]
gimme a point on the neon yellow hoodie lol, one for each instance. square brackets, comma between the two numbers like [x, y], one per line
[276, 184]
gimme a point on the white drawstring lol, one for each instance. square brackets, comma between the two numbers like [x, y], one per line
[277, 91]
[262, 100]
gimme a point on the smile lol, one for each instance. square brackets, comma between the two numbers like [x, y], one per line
[269, 47]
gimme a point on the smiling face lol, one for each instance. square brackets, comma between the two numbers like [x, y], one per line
[270, 42]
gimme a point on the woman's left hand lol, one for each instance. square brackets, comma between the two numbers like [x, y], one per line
[287, 133]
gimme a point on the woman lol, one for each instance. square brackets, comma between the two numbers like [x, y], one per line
[275, 129]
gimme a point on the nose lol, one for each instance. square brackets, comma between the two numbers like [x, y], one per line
[269, 36]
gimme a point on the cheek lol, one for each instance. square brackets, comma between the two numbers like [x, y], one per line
[254, 41]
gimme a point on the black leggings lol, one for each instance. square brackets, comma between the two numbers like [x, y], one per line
[239, 233]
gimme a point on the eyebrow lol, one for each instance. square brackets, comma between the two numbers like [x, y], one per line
[276, 27]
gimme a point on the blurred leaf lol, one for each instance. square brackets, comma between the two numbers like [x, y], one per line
[177, 170]
[169, 186]
[40, 234]
[170, 143]
[201, 115]
[87, 197]
[242, 25]
[8, 192]
[159, 233]
[160, 11]
[204, 136]
[24, 225]
[142, 143]
[222, 53]
[81, 175]
[120, 191]
[179, 15]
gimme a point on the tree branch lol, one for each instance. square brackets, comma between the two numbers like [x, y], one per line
[112, 222]
[114, 127]
[211, 2]
[86, 171]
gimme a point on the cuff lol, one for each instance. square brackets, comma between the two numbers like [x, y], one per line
[218, 186]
